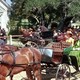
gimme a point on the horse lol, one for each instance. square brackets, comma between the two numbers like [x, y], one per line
[7, 47]
[25, 59]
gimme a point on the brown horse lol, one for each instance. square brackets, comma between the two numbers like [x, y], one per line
[7, 48]
[25, 59]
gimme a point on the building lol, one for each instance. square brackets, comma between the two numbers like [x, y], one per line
[76, 24]
[4, 14]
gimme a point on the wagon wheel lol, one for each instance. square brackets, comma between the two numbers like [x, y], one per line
[31, 44]
[63, 72]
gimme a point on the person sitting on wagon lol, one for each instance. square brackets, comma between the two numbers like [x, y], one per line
[69, 38]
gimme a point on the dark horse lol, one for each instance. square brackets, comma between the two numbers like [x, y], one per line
[25, 59]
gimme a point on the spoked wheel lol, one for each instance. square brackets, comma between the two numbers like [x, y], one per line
[31, 44]
[63, 72]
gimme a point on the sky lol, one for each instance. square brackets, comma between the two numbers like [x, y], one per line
[8, 1]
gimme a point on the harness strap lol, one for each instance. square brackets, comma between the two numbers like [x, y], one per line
[32, 55]
[6, 63]
[13, 55]
[34, 62]
[18, 65]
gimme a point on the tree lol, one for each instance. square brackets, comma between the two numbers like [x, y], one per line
[18, 9]
[24, 8]
[44, 10]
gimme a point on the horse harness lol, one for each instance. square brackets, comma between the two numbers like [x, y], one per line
[12, 53]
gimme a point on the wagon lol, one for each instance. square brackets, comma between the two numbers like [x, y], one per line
[58, 62]
[61, 62]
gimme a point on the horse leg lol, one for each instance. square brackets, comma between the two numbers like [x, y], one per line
[2, 77]
[11, 77]
[37, 72]
[29, 74]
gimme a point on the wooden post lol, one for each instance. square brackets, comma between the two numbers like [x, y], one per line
[10, 39]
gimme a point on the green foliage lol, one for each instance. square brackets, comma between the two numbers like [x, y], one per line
[22, 7]
[42, 10]
[37, 3]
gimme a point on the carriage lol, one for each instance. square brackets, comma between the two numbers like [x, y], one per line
[56, 59]
[59, 62]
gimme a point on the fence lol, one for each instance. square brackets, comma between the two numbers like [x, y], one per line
[10, 38]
